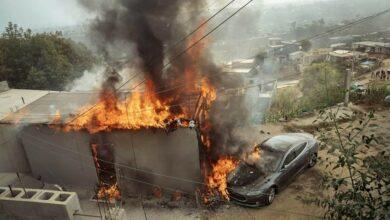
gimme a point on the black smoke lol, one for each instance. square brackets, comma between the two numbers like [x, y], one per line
[153, 27]
[150, 26]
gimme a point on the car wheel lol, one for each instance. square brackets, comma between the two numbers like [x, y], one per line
[313, 160]
[271, 195]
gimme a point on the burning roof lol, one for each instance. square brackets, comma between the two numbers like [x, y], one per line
[190, 81]
[64, 105]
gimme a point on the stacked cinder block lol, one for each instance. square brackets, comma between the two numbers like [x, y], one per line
[37, 204]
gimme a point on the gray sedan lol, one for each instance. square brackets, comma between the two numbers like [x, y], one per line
[282, 158]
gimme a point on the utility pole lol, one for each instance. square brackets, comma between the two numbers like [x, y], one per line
[348, 77]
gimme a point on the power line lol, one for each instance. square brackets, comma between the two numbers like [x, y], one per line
[184, 51]
[120, 165]
[109, 172]
[344, 27]
[245, 87]
[204, 23]
[198, 41]
[129, 179]
[323, 34]
[202, 38]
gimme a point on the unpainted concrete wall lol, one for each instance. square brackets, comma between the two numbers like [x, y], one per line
[12, 155]
[147, 158]
[169, 161]
[58, 157]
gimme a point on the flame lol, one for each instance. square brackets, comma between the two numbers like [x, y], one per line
[94, 155]
[137, 111]
[253, 157]
[218, 179]
[176, 196]
[209, 95]
[147, 110]
[109, 192]
[157, 192]
[57, 118]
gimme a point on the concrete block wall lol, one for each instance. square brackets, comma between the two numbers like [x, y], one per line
[37, 204]
[62, 158]
[12, 154]
[158, 156]
[66, 159]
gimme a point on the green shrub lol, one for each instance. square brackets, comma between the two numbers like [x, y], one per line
[286, 104]
[376, 92]
[322, 86]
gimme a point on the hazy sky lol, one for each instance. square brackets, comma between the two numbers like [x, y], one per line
[50, 13]
[41, 13]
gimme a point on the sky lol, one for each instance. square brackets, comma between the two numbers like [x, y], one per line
[37, 14]
[41, 13]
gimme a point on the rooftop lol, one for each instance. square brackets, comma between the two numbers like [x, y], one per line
[372, 44]
[43, 109]
[15, 99]
[345, 53]
[238, 70]
[338, 45]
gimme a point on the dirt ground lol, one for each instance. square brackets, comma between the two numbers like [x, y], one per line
[287, 204]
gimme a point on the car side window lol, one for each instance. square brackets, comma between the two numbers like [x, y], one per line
[300, 148]
[290, 157]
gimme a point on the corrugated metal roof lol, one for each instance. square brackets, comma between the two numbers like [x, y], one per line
[44, 109]
[69, 104]
[15, 99]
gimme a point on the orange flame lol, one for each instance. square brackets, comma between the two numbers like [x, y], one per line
[57, 117]
[146, 110]
[137, 111]
[176, 196]
[220, 171]
[253, 157]
[109, 192]
[157, 192]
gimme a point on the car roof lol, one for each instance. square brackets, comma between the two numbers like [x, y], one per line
[284, 142]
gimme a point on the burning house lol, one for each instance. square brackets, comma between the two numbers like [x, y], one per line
[81, 156]
[177, 134]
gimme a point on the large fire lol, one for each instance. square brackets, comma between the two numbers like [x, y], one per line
[107, 190]
[218, 178]
[149, 110]
[137, 111]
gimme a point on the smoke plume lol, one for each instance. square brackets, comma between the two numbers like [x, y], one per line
[150, 28]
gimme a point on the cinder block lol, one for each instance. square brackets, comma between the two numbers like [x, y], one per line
[39, 204]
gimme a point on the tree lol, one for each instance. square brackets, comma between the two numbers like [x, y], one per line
[306, 45]
[322, 85]
[41, 61]
[260, 57]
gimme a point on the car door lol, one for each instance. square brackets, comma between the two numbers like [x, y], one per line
[301, 157]
[287, 170]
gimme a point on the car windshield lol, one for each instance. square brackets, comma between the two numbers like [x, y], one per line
[269, 159]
